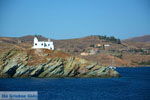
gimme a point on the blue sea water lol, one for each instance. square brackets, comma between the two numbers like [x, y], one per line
[133, 85]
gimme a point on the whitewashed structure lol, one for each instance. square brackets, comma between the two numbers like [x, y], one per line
[42, 44]
[106, 45]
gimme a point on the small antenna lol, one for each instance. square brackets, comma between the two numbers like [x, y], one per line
[49, 38]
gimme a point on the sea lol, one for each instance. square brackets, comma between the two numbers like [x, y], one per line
[134, 84]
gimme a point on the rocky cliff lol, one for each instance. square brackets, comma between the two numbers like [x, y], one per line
[47, 63]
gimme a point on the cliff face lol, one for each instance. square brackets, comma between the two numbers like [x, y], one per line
[46, 63]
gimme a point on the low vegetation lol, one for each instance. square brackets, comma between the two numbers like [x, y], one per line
[110, 39]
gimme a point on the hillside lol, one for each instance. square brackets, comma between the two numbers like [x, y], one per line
[82, 44]
[104, 50]
[145, 38]
[142, 42]
[117, 54]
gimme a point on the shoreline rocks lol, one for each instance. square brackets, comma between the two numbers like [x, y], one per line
[14, 63]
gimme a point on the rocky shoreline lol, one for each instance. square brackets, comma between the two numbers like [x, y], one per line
[49, 64]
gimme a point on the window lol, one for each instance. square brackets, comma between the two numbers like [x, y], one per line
[35, 43]
[42, 44]
[45, 44]
[48, 44]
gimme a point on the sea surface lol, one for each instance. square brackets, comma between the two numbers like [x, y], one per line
[133, 85]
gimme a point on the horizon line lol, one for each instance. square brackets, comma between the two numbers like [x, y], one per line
[75, 37]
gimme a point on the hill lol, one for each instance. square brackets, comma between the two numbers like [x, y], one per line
[104, 50]
[75, 46]
[145, 38]
[142, 42]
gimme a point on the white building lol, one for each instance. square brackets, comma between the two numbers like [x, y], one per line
[106, 45]
[42, 44]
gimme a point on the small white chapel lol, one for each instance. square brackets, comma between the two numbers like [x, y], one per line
[42, 44]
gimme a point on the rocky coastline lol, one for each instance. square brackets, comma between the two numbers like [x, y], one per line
[42, 63]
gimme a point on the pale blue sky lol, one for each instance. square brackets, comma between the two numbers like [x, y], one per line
[61, 19]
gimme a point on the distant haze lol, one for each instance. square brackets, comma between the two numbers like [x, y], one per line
[64, 19]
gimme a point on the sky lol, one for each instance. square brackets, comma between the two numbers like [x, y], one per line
[63, 19]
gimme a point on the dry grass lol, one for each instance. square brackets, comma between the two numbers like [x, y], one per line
[39, 56]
